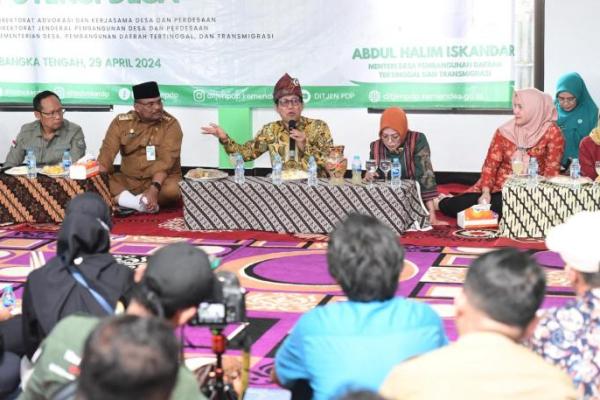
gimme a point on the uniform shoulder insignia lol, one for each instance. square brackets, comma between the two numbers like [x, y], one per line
[125, 117]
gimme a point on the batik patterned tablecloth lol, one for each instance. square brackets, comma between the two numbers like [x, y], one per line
[43, 199]
[529, 212]
[296, 207]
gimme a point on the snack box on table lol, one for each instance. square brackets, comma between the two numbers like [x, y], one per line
[84, 170]
[477, 217]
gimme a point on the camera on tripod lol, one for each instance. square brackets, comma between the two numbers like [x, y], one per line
[227, 305]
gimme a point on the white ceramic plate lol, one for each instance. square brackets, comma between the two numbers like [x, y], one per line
[294, 175]
[567, 181]
[20, 170]
[61, 175]
[203, 174]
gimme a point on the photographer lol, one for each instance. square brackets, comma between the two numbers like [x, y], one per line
[177, 278]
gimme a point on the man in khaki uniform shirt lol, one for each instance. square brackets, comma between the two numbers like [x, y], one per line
[49, 136]
[149, 141]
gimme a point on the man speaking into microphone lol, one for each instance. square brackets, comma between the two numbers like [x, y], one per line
[295, 138]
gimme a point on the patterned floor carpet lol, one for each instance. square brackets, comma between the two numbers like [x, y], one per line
[284, 278]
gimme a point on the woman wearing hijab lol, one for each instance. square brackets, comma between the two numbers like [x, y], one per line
[412, 149]
[83, 277]
[577, 113]
[532, 132]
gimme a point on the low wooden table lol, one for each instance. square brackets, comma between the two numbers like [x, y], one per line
[529, 212]
[296, 207]
[43, 199]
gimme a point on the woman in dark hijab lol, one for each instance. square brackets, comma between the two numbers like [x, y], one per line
[83, 277]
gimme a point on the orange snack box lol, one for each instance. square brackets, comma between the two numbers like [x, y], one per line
[477, 217]
[84, 170]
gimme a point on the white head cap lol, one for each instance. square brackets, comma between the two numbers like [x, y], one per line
[578, 241]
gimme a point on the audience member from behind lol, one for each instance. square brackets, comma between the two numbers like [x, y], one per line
[49, 136]
[589, 154]
[569, 336]
[178, 277]
[149, 141]
[353, 344]
[129, 357]
[412, 150]
[532, 132]
[577, 113]
[501, 294]
[83, 277]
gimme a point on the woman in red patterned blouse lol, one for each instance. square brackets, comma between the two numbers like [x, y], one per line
[532, 132]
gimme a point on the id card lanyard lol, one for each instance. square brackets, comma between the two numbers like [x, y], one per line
[150, 151]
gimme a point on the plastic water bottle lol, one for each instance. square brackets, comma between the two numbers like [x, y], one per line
[66, 161]
[575, 172]
[312, 172]
[396, 174]
[356, 171]
[8, 297]
[277, 170]
[31, 164]
[239, 177]
[532, 172]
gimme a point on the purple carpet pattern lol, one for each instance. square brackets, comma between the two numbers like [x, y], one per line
[284, 279]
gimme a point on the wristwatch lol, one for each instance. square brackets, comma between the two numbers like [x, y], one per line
[157, 185]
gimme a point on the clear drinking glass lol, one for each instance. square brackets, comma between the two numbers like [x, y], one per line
[517, 166]
[371, 166]
[385, 166]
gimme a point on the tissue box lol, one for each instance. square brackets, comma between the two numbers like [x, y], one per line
[84, 170]
[477, 217]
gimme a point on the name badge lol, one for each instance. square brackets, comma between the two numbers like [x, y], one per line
[150, 153]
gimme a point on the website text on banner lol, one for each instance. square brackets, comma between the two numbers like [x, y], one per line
[213, 53]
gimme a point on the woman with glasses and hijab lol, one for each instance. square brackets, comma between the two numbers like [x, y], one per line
[532, 132]
[83, 277]
[577, 113]
[412, 150]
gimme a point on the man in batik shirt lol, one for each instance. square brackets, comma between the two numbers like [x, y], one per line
[569, 336]
[311, 136]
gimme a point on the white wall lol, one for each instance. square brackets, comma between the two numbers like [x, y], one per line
[571, 43]
[458, 142]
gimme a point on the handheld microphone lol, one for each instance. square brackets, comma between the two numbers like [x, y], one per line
[292, 125]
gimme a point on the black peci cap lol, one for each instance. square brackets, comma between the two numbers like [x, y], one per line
[146, 90]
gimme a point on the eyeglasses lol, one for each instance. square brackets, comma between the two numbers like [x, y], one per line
[151, 104]
[569, 100]
[390, 138]
[289, 102]
[53, 114]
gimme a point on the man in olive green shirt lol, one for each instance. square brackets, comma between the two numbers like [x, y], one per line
[49, 136]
